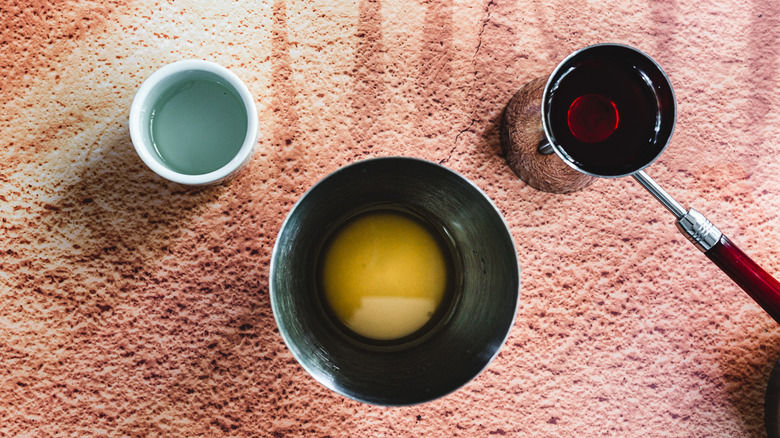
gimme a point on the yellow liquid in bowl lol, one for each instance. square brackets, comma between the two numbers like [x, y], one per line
[384, 275]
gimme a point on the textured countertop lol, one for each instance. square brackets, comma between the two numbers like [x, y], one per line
[133, 306]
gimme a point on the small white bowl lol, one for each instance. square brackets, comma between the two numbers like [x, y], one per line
[155, 87]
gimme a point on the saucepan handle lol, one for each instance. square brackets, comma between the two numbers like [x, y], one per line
[761, 286]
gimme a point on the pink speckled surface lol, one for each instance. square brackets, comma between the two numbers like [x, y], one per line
[132, 307]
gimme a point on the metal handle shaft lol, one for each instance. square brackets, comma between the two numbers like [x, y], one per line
[700, 231]
[660, 194]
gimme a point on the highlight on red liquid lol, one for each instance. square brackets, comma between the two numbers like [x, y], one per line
[592, 118]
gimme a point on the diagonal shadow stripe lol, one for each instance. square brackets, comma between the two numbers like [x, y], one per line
[283, 100]
[367, 98]
[434, 75]
[664, 16]
[762, 59]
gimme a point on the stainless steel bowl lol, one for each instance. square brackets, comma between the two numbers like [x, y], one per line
[448, 355]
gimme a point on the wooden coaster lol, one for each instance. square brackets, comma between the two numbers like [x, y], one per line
[521, 132]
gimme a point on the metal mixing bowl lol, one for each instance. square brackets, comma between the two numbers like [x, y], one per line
[448, 355]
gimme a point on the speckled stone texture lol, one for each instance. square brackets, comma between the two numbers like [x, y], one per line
[130, 306]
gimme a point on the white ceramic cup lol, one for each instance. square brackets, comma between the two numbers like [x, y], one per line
[160, 84]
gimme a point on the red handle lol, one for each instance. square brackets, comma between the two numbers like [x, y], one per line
[761, 286]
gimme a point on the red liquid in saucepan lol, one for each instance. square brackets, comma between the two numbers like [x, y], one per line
[605, 115]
